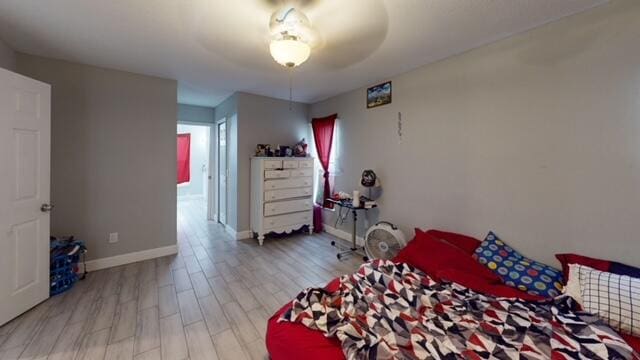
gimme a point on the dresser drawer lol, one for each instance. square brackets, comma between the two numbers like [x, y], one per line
[284, 207]
[273, 164]
[273, 222]
[287, 194]
[276, 174]
[301, 172]
[305, 164]
[288, 183]
[290, 164]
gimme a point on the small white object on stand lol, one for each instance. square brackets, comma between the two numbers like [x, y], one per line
[356, 198]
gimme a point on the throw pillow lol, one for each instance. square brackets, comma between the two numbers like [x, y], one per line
[572, 288]
[516, 270]
[464, 242]
[566, 259]
[622, 269]
[598, 264]
[614, 298]
[431, 255]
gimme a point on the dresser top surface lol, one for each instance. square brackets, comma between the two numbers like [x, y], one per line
[280, 158]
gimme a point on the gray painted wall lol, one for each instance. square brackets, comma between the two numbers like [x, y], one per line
[263, 120]
[195, 114]
[113, 155]
[7, 56]
[252, 120]
[536, 137]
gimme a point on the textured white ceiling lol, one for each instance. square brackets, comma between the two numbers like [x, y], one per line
[216, 47]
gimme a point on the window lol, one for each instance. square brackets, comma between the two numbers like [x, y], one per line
[334, 168]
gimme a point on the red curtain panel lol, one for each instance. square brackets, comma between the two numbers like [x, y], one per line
[184, 158]
[323, 136]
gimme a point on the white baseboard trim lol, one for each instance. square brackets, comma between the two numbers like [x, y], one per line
[238, 235]
[341, 234]
[104, 263]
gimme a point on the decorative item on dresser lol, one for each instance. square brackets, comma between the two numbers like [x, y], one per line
[281, 195]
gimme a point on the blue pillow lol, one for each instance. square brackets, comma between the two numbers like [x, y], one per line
[516, 270]
[622, 269]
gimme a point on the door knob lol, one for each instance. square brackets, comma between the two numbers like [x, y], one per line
[46, 207]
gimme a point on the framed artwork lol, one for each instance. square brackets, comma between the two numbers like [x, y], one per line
[379, 95]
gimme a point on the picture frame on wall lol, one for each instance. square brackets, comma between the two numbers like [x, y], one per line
[379, 95]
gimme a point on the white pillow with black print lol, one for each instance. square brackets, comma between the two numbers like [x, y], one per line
[614, 298]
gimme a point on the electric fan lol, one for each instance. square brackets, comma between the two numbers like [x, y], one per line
[383, 241]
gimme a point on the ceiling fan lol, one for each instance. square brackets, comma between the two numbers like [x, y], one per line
[292, 36]
[335, 33]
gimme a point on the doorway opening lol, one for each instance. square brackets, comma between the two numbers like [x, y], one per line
[193, 177]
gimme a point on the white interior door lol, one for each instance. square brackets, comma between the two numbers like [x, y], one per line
[222, 172]
[25, 130]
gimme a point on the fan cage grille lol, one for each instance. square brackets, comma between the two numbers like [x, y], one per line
[382, 244]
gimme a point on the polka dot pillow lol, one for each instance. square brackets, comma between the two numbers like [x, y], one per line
[518, 271]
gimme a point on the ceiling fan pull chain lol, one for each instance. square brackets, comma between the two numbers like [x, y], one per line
[290, 88]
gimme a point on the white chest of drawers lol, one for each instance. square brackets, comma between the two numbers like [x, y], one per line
[281, 195]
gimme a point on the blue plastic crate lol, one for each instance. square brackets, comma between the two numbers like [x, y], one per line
[63, 269]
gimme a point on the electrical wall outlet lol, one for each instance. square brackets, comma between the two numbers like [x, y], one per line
[113, 238]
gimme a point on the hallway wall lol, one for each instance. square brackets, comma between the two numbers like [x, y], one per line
[263, 120]
[251, 120]
[195, 114]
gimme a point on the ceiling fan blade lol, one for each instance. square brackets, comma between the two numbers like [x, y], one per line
[349, 31]
[299, 4]
[234, 36]
[344, 32]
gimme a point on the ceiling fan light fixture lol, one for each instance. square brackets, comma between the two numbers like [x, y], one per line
[289, 51]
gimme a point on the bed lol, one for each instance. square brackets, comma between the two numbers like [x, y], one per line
[293, 340]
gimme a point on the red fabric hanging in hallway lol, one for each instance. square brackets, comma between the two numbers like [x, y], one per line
[323, 136]
[184, 158]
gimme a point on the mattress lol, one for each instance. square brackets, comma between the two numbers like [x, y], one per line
[286, 340]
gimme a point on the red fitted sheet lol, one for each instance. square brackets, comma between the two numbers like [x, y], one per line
[288, 340]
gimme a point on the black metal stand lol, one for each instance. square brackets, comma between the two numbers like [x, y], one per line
[354, 249]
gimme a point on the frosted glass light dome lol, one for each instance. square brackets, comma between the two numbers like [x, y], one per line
[289, 52]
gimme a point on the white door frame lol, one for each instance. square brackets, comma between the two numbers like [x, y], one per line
[217, 175]
[212, 208]
[211, 213]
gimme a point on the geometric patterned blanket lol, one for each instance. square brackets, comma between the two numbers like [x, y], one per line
[395, 311]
